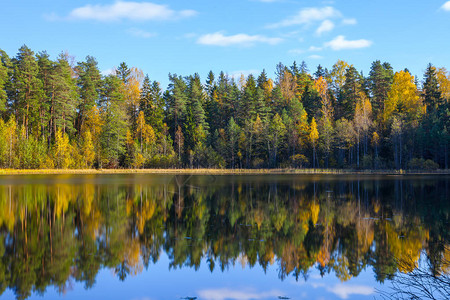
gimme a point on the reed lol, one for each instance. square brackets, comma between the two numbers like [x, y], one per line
[219, 171]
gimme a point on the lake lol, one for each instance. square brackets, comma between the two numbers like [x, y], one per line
[149, 237]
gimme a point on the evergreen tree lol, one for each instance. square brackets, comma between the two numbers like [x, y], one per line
[233, 132]
[320, 72]
[4, 79]
[47, 76]
[114, 121]
[351, 93]
[431, 93]
[146, 101]
[276, 131]
[176, 98]
[89, 83]
[123, 72]
[379, 81]
[27, 89]
[65, 96]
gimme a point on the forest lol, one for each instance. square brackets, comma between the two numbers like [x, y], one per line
[65, 114]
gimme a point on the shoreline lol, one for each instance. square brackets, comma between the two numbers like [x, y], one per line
[221, 171]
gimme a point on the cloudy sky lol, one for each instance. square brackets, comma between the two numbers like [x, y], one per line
[236, 36]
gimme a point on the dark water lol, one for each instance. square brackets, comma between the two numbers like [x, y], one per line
[148, 237]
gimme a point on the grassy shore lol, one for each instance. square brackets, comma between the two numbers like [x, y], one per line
[219, 171]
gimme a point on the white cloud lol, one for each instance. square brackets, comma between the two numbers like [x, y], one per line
[241, 39]
[326, 26]
[340, 43]
[309, 15]
[350, 21]
[135, 11]
[224, 293]
[344, 290]
[314, 48]
[315, 56]
[140, 33]
[446, 6]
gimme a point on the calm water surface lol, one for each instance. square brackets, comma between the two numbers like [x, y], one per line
[149, 237]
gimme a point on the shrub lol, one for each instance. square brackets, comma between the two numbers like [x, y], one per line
[367, 161]
[430, 165]
[421, 164]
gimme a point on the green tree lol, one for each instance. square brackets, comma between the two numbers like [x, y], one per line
[152, 104]
[27, 89]
[431, 93]
[114, 121]
[233, 132]
[89, 84]
[276, 131]
[351, 93]
[4, 79]
[176, 98]
[380, 81]
[64, 96]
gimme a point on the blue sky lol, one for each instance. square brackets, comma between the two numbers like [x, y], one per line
[236, 36]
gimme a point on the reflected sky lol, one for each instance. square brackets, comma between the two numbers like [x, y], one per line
[237, 283]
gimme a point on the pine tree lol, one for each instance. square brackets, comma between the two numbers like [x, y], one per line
[379, 81]
[27, 89]
[431, 93]
[320, 72]
[89, 83]
[4, 79]
[65, 96]
[114, 121]
[176, 97]
[47, 76]
[233, 132]
[276, 131]
[145, 103]
[350, 94]
[123, 72]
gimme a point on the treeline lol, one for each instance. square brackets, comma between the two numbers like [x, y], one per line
[62, 114]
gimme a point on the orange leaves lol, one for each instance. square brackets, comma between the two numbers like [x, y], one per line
[288, 86]
[321, 85]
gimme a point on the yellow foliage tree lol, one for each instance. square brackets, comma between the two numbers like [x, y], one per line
[87, 150]
[443, 77]
[133, 91]
[62, 151]
[10, 132]
[337, 76]
[403, 99]
[313, 137]
[94, 124]
[288, 86]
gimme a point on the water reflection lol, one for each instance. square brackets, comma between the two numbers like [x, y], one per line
[67, 229]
